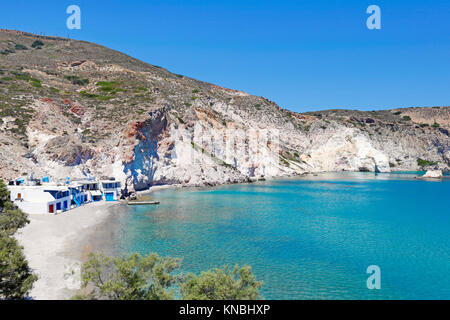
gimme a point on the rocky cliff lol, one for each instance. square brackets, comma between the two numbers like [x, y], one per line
[72, 108]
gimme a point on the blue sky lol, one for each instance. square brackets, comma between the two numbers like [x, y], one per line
[304, 55]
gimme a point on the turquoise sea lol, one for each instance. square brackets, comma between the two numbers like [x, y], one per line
[311, 237]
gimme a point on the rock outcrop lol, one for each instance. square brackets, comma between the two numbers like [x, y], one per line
[437, 174]
[72, 108]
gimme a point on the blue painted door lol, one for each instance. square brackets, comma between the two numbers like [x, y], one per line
[109, 196]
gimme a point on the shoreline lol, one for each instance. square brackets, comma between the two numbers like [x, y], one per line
[56, 246]
[392, 175]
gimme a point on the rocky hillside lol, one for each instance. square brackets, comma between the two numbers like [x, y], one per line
[72, 108]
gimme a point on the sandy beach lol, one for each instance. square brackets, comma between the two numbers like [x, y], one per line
[55, 246]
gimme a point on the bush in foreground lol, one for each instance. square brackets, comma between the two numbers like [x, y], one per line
[128, 278]
[16, 277]
[222, 284]
[151, 277]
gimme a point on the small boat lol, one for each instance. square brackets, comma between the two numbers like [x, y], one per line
[141, 203]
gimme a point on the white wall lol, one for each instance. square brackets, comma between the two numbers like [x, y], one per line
[32, 207]
[36, 201]
[13, 194]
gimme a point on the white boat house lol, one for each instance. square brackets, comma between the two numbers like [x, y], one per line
[79, 194]
[41, 199]
[110, 190]
[42, 196]
[91, 189]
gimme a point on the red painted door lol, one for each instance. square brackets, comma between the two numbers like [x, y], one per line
[50, 208]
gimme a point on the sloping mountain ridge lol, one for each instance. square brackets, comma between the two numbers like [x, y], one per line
[73, 108]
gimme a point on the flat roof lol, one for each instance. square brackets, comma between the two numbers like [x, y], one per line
[42, 187]
[85, 181]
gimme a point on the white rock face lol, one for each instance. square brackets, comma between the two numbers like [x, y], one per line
[167, 129]
[203, 151]
[347, 149]
[433, 174]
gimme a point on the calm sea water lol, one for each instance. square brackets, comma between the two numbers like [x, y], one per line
[308, 238]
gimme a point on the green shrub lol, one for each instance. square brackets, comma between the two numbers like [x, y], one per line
[22, 76]
[104, 98]
[152, 277]
[36, 83]
[284, 162]
[20, 47]
[88, 94]
[26, 77]
[37, 44]
[222, 284]
[181, 121]
[16, 277]
[7, 51]
[110, 87]
[406, 118]
[76, 80]
[425, 163]
[133, 277]
[435, 125]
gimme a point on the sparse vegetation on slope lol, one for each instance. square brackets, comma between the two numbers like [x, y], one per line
[100, 98]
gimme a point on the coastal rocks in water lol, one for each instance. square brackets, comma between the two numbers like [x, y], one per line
[437, 174]
[132, 196]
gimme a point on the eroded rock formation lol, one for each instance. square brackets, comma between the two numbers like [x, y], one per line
[77, 109]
